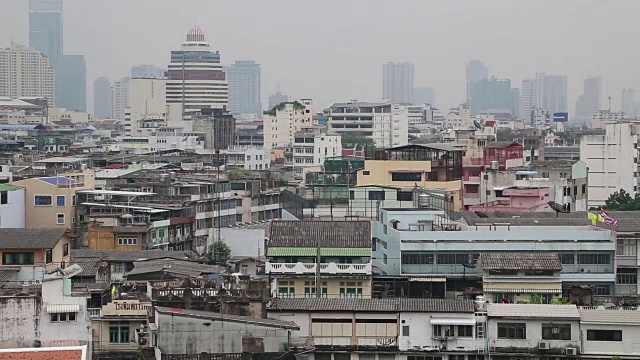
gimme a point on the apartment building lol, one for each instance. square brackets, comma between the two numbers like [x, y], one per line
[283, 121]
[312, 148]
[12, 206]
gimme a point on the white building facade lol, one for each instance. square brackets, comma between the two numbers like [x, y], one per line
[26, 72]
[612, 162]
[147, 98]
[120, 98]
[247, 158]
[283, 121]
[311, 150]
[12, 206]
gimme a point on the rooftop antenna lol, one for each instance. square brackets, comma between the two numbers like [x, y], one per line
[609, 98]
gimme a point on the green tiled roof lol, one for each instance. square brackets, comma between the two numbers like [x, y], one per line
[311, 251]
[5, 187]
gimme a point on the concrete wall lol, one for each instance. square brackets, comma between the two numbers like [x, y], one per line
[78, 331]
[533, 334]
[421, 332]
[12, 214]
[190, 335]
[20, 321]
[629, 346]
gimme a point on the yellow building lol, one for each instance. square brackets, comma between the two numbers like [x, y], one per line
[430, 166]
[50, 201]
[345, 259]
[520, 277]
[114, 331]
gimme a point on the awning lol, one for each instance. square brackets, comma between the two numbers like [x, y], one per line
[526, 291]
[427, 279]
[450, 321]
[63, 308]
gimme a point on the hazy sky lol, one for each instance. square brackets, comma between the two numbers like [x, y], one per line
[333, 50]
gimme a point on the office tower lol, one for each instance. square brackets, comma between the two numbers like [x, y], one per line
[244, 88]
[552, 92]
[397, 82]
[515, 103]
[26, 72]
[195, 75]
[147, 71]
[120, 98]
[528, 98]
[101, 98]
[591, 99]
[71, 83]
[476, 70]
[277, 98]
[630, 106]
[424, 95]
[146, 100]
[45, 28]
[488, 94]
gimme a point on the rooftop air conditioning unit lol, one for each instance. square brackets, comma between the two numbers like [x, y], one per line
[543, 345]
[571, 352]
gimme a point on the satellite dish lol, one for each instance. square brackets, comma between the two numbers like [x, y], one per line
[477, 124]
[558, 208]
[72, 270]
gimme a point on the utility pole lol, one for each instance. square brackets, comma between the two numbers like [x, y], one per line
[318, 258]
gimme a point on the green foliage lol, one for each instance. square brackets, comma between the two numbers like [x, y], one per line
[219, 253]
[296, 106]
[622, 201]
[352, 139]
[504, 135]
[537, 299]
[560, 302]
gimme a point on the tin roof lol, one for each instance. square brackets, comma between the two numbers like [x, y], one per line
[308, 233]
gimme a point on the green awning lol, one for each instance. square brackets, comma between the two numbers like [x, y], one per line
[310, 251]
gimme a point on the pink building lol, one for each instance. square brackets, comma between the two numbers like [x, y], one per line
[518, 199]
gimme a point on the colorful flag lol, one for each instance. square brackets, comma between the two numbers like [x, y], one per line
[600, 218]
[608, 219]
[592, 217]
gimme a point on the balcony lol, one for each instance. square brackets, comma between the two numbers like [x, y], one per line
[310, 268]
[94, 313]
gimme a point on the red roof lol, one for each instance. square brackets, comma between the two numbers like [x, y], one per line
[64, 123]
[63, 353]
[114, 166]
[490, 123]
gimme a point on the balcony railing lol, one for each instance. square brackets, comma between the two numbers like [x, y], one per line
[310, 268]
[94, 312]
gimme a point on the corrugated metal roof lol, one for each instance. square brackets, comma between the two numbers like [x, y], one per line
[543, 311]
[62, 308]
[373, 305]
[609, 316]
[311, 251]
[226, 317]
[36, 238]
[350, 234]
[519, 261]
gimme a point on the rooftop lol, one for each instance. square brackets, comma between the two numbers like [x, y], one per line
[5, 187]
[34, 238]
[308, 233]
[618, 316]
[501, 144]
[128, 255]
[373, 305]
[543, 311]
[519, 261]
[61, 159]
[180, 268]
[45, 353]
[209, 315]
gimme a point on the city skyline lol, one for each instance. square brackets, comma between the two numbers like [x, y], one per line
[99, 31]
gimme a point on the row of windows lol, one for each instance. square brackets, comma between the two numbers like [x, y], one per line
[47, 200]
[428, 258]
[552, 331]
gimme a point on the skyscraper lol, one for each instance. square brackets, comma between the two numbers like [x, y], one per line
[101, 98]
[195, 75]
[591, 99]
[476, 70]
[397, 82]
[26, 72]
[552, 92]
[515, 103]
[45, 28]
[424, 95]
[487, 94]
[630, 106]
[147, 71]
[244, 88]
[277, 98]
[71, 83]
[528, 98]
[120, 98]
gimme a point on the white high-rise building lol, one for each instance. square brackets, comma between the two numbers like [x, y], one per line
[397, 82]
[387, 124]
[459, 118]
[282, 122]
[25, 72]
[147, 100]
[528, 98]
[196, 77]
[552, 92]
[612, 162]
[312, 148]
[120, 98]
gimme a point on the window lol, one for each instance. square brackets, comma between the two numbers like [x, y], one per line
[127, 241]
[350, 289]
[65, 249]
[627, 247]
[594, 259]
[117, 268]
[442, 330]
[604, 335]
[406, 176]
[512, 331]
[352, 195]
[310, 289]
[61, 200]
[62, 317]
[286, 289]
[119, 334]
[366, 172]
[627, 276]
[48, 259]
[602, 290]
[405, 330]
[4, 197]
[556, 331]
[417, 258]
[453, 259]
[567, 259]
[424, 357]
[405, 196]
[60, 218]
[42, 200]
[17, 258]
[376, 195]
[465, 331]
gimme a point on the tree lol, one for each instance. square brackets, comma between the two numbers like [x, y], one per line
[359, 139]
[219, 253]
[622, 201]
